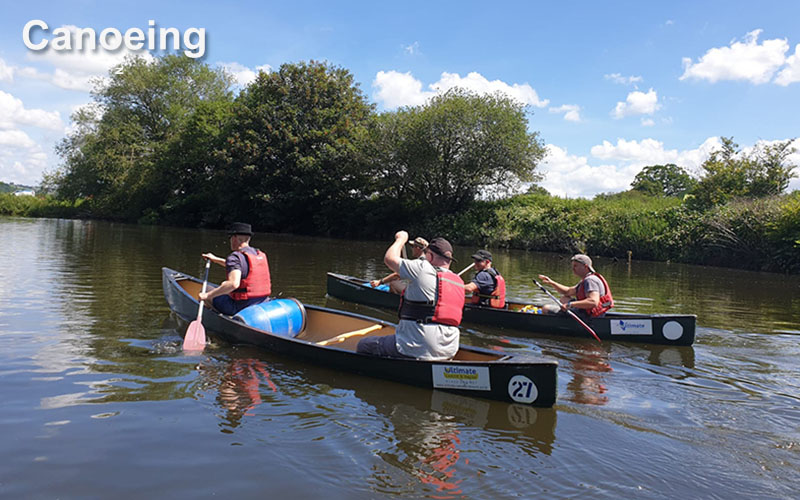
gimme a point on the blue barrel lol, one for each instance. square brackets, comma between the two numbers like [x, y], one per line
[383, 288]
[279, 316]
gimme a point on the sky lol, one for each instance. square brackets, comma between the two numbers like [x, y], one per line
[611, 87]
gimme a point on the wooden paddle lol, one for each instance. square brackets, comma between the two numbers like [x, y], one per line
[587, 327]
[466, 269]
[195, 339]
[344, 336]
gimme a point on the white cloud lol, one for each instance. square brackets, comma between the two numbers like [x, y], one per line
[790, 73]
[395, 89]
[572, 112]
[748, 60]
[572, 176]
[648, 122]
[652, 152]
[22, 160]
[617, 165]
[411, 49]
[242, 74]
[76, 69]
[624, 80]
[637, 103]
[6, 72]
[16, 139]
[13, 114]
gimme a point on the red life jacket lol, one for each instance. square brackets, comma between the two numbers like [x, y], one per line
[497, 298]
[605, 303]
[257, 283]
[446, 309]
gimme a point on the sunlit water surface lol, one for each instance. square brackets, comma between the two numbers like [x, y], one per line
[99, 401]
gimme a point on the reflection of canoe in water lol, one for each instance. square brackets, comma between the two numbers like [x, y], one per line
[329, 337]
[677, 329]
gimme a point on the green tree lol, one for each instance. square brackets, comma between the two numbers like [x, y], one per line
[120, 151]
[442, 155]
[729, 173]
[663, 180]
[293, 157]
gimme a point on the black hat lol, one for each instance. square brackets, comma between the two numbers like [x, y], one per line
[442, 248]
[482, 255]
[240, 228]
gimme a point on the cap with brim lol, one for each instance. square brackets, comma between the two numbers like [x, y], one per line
[583, 259]
[419, 242]
[482, 255]
[240, 228]
[442, 248]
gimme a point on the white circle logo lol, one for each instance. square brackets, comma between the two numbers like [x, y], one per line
[522, 389]
[672, 330]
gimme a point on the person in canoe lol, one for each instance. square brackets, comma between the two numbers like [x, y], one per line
[430, 309]
[247, 270]
[396, 285]
[591, 297]
[488, 288]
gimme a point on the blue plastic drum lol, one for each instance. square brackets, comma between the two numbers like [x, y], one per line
[279, 316]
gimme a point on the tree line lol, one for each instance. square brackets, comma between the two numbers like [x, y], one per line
[302, 150]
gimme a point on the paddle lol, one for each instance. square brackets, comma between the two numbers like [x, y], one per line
[195, 339]
[587, 327]
[467, 269]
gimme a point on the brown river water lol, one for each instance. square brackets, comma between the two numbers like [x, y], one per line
[99, 401]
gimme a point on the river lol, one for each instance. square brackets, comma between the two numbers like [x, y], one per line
[99, 401]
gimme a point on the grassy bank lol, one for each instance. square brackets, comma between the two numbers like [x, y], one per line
[762, 234]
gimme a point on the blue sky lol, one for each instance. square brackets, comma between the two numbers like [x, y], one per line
[612, 86]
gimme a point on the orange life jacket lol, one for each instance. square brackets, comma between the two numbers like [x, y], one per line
[257, 283]
[497, 298]
[605, 303]
[448, 306]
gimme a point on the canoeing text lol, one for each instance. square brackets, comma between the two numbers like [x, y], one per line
[69, 38]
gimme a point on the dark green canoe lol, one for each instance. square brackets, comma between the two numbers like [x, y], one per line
[667, 329]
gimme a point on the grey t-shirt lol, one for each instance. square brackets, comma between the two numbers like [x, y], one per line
[592, 284]
[430, 341]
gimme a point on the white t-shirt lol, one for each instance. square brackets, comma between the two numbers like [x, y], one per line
[430, 341]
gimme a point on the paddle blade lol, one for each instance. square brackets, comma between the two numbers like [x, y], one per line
[195, 339]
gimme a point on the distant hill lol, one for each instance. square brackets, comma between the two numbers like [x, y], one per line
[13, 188]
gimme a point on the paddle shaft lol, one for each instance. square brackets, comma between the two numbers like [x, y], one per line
[205, 284]
[575, 316]
[467, 269]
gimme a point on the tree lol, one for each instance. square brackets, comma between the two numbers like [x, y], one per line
[119, 152]
[460, 145]
[663, 180]
[293, 157]
[730, 173]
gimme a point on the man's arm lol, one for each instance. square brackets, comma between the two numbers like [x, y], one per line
[224, 288]
[213, 258]
[591, 300]
[567, 291]
[386, 279]
[393, 257]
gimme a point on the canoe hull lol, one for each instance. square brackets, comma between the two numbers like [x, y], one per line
[523, 379]
[663, 329]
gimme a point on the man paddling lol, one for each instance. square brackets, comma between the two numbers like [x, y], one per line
[248, 281]
[488, 287]
[591, 297]
[431, 307]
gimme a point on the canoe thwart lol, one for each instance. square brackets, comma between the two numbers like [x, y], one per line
[355, 333]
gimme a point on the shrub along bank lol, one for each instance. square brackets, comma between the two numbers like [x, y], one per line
[758, 234]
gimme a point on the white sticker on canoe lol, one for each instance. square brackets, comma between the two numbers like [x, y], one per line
[631, 327]
[475, 378]
[522, 389]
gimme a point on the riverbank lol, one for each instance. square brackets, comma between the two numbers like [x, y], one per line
[761, 234]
